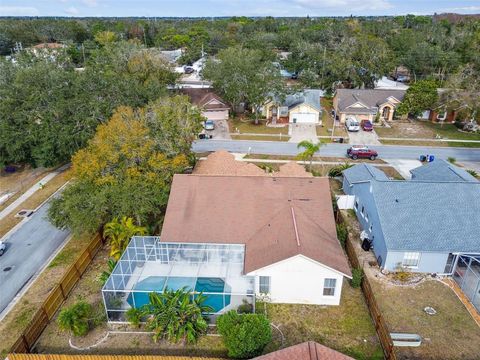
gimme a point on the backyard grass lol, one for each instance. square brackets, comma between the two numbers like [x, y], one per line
[14, 323]
[248, 126]
[8, 222]
[347, 328]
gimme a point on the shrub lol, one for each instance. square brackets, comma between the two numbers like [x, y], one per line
[244, 335]
[337, 170]
[342, 233]
[473, 173]
[134, 316]
[451, 160]
[245, 308]
[357, 276]
[75, 318]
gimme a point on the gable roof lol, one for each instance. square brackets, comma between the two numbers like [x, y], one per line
[257, 211]
[429, 216]
[202, 98]
[363, 172]
[441, 170]
[309, 350]
[371, 98]
[310, 97]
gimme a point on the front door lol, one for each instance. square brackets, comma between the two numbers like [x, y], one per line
[386, 113]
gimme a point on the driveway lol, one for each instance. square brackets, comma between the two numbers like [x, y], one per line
[28, 250]
[363, 138]
[221, 131]
[404, 166]
[300, 132]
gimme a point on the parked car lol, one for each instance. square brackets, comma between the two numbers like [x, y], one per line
[3, 247]
[209, 125]
[361, 152]
[188, 70]
[366, 125]
[352, 124]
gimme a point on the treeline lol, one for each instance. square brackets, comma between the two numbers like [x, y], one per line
[350, 49]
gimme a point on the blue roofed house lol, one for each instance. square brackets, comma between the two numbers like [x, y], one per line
[423, 224]
[301, 107]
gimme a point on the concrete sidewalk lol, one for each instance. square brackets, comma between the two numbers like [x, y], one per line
[5, 212]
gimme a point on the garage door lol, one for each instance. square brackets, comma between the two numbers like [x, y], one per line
[216, 115]
[310, 118]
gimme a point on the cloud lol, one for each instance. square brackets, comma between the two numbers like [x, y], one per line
[463, 9]
[90, 3]
[72, 10]
[18, 11]
[345, 5]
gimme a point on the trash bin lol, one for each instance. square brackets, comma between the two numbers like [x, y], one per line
[341, 140]
[423, 158]
[431, 158]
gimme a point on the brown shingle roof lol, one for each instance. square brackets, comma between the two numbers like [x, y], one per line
[305, 351]
[202, 97]
[372, 98]
[258, 211]
[223, 163]
[292, 169]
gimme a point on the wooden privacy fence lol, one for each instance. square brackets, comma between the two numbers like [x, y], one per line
[380, 324]
[56, 297]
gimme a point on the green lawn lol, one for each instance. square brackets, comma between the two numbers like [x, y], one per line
[450, 131]
[248, 126]
[260, 138]
[347, 328]
[327, 121]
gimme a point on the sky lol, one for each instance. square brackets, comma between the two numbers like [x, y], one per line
[207, 8]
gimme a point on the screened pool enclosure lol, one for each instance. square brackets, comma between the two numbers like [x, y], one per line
[467, 276]
[148, 265]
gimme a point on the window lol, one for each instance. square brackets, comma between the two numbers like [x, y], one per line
[410, 259]
[363, 210]
[329, 287]
[264, 284]
[366, 217]
[355, 205]
[370, 229]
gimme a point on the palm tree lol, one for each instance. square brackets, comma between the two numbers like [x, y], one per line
[119, 233]
[309, 152]
[75, 318]
[176, 315]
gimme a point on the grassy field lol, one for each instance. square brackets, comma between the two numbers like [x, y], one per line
[347, 328]
[248, 126]
[260, 138]
[34, 201]
[12, 326]
[19, 181]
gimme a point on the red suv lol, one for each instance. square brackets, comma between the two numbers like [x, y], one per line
[366, 125]
[361, 152]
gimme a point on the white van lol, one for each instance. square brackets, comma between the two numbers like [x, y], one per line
[352, 124]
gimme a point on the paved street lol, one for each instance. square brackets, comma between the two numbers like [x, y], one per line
[335, 150]
[28, 249]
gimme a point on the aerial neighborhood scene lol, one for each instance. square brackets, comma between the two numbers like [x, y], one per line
[257, 179]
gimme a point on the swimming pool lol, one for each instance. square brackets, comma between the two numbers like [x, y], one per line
[207, 285]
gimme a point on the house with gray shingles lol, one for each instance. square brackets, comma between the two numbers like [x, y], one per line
[423, 224]
[365, 104]
[301, 107]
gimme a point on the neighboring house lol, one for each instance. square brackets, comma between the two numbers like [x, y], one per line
[301, 107]
[365, 104]
[423, 224]
[446, 109]
[213, 107]
[172, 56]
[385, 83]
[46, 50]
[305, 351]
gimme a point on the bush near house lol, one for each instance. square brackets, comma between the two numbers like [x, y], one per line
[357, 276]
[342, 234]
[76, 318]
[244, 335]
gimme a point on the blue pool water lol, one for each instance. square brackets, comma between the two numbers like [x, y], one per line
[156, 283]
